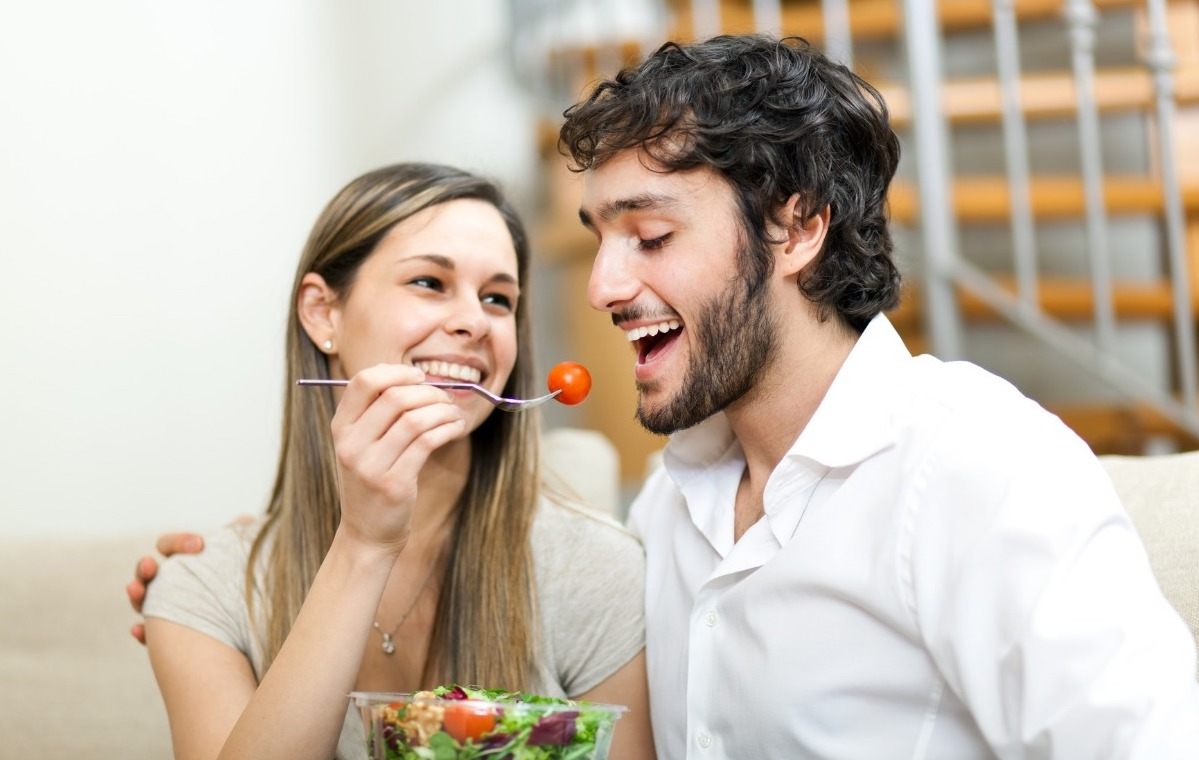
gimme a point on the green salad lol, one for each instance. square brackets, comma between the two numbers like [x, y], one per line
[464, 723]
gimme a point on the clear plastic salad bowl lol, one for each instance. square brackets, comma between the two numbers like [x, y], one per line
[463, 723]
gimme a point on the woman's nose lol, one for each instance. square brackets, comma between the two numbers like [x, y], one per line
[468, 319]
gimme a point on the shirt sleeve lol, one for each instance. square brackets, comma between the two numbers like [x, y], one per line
[591, 580]
[1035, 598]
[205, 591]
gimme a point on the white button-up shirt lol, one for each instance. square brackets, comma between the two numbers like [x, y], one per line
[943, 571]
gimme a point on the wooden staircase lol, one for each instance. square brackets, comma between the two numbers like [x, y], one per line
[969, 101]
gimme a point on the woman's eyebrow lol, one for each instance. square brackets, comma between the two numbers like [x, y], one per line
[445, 262]
[503, 277]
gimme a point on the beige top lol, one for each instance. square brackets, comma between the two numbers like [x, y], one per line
[590, 575]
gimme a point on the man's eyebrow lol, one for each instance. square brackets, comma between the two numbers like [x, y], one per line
[611, 209]
[445, 262]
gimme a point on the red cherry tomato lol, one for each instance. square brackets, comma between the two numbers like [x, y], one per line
[572, 379]
[464, 722]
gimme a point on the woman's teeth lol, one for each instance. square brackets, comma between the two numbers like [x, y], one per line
[637, 333]
[448, 369]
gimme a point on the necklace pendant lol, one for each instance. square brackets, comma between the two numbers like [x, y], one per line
[389, 644]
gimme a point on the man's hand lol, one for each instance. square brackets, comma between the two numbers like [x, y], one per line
[147, 568]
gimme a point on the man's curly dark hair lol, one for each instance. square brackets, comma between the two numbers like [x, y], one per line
[774, 118]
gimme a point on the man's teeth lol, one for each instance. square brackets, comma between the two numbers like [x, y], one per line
[447, 369]
[637, 333]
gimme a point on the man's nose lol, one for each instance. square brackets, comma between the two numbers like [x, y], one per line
[612, 281]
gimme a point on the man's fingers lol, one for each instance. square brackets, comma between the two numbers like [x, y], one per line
[179, 543]
[138, 631]
[147, 568]
[136, 591]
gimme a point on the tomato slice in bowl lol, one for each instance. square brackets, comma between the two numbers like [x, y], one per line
[466, 721]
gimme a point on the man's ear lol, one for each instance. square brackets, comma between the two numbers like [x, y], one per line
[316, 305]
[804, 238]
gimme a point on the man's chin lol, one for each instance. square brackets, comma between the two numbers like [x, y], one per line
[655, 423]
[650, 411]
[663, 418]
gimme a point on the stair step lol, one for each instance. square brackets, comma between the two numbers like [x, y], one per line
[1045, 95]
[868, 20]
[872, 19]
[1068, 299]
[1117, 427]
[1121, 427]
[986, 199]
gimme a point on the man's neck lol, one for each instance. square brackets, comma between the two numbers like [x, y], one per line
[771, 417]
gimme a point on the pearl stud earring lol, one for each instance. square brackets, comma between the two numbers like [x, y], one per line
[327, 345]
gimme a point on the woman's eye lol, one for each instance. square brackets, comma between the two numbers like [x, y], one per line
[432, 283]
[653, 244]
[500, 300]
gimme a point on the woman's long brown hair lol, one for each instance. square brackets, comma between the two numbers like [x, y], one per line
[484, 631]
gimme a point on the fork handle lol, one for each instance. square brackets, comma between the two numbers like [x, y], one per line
[434, 383]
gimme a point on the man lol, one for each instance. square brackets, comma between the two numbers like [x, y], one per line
[852, 552]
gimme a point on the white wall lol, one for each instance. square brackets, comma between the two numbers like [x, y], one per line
[160, 164]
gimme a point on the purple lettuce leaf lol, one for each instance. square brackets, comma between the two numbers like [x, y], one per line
[554, 729]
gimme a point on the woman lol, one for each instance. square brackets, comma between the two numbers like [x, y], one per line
[406, 542]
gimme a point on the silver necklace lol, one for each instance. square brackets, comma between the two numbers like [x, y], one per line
[389, 642]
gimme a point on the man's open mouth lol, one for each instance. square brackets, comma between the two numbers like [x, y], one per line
[650, 340]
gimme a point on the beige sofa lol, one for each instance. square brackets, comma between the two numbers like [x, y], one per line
[74, 684]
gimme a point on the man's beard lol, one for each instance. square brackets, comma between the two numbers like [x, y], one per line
[734, 340]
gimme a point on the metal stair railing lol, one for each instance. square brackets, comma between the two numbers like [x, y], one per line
[1015, 151]
[945, 269]
[1161, 61]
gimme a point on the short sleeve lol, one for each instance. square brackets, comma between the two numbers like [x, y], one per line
[206, 591]
[591, 586]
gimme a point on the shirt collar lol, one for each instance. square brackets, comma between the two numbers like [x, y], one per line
[705, 462]
[854, 421]
[856, 417]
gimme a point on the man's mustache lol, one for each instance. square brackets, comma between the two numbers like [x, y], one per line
[641, 313]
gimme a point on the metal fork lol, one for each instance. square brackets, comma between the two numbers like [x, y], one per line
[501, 403]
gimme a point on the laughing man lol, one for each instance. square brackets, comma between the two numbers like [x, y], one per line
[852, 552]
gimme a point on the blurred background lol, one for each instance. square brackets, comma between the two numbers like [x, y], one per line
[161, 165]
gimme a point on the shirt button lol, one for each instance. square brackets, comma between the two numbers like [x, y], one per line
[710, 618]
[704, 741]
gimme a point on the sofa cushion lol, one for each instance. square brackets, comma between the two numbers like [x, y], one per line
[1161, 493]
[76, 684]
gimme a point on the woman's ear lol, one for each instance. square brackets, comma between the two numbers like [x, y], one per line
[804, 237]
[316, 305]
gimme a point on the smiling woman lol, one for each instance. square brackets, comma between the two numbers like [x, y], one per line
[439, 292]
[407, 541]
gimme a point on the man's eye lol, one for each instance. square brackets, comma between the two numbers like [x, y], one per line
[653, 244]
